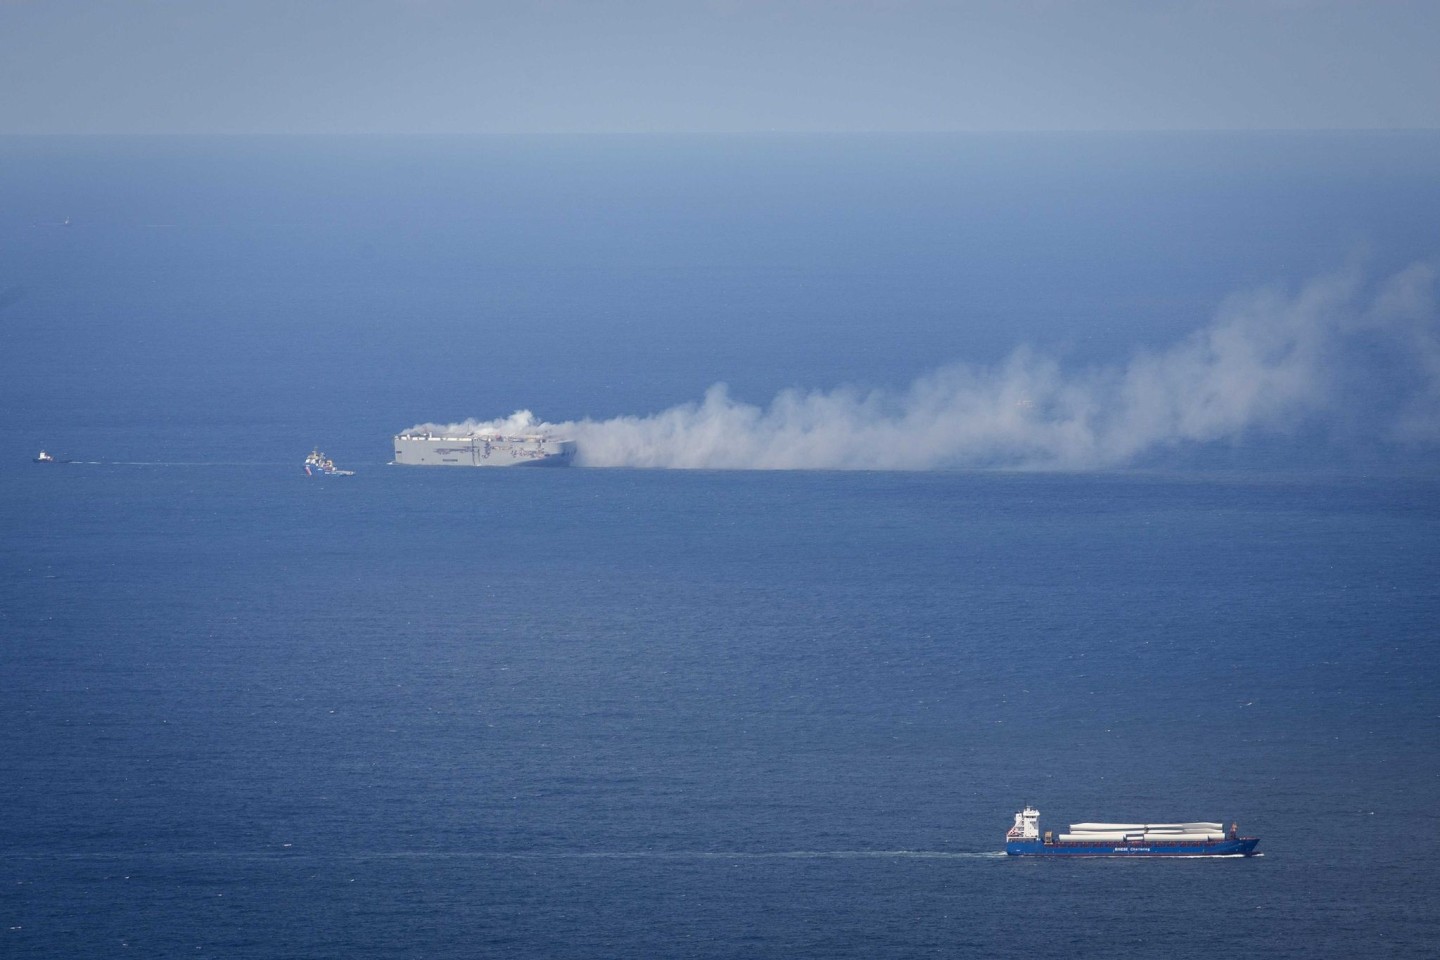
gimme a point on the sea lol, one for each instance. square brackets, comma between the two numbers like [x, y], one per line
[623, 712]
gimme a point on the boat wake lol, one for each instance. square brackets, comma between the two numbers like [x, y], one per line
[782, 855]
[290, 851]
[167, 463]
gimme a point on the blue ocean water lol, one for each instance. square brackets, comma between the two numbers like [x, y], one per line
[616, 713]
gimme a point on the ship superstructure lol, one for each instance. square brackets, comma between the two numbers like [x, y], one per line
[1190, 839]
[319, 465]
[483, 449]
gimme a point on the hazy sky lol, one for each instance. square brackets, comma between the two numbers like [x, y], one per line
[440, 66]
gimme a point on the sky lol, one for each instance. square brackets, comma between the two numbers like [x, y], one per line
[670, 66]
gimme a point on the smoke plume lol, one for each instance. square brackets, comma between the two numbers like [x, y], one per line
[1339, 354]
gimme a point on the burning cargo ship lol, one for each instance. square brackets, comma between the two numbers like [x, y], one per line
[483, 449]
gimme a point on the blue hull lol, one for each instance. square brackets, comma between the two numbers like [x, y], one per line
[1242, 847]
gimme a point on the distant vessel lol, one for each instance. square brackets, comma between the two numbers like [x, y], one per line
[45, 458]
[319, 465]
[1198, 839]
[485, 449]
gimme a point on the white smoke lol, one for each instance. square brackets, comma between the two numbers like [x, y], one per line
[1270, 363]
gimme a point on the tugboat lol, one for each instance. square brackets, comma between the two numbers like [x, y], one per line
[45, 458]
[319, 465]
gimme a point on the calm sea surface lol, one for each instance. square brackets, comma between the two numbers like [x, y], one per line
[625, 713]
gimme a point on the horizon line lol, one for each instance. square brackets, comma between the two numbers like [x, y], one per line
[991, 131]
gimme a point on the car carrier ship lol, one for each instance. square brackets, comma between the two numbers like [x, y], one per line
[1196, 839]
[484, 449]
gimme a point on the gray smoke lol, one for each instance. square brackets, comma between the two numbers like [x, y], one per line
[1338, 354]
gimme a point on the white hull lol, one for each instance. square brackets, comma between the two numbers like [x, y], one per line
[482, 450]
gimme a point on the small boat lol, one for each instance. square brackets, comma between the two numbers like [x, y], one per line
[45, 458]
[319, 465]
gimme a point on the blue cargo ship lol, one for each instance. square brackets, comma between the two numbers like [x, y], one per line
[1195, 839]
